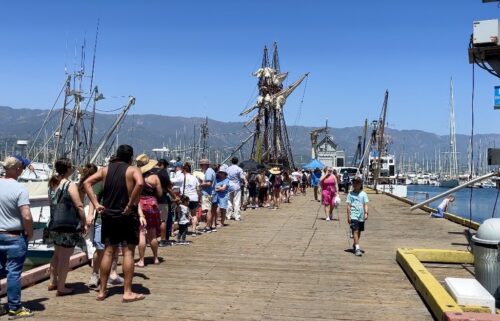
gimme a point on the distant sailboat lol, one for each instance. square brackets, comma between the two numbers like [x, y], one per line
[450, 178]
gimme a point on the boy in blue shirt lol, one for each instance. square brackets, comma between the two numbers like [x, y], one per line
[357, 212]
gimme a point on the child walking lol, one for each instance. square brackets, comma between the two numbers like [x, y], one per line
[184, 219]
[357, 212]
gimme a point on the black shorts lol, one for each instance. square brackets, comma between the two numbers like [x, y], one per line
[357, 225]
[295, 184]
[262, 193]
[118, 228]
[193, 205]
[252, 191]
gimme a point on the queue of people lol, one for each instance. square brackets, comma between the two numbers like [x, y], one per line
[132, 206]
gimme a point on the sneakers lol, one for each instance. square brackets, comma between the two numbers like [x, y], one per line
[358, 252]
[207, 230]
[163, 243]
[94, 281]
[116, 281]
[2, 310]
[328, 218]
[213, 229]
[238, 219]
[22, 312]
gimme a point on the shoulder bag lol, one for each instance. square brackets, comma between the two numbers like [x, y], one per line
[63, 214]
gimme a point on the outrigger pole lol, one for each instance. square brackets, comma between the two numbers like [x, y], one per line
[119, 119]
[453, 190]
[238, 148]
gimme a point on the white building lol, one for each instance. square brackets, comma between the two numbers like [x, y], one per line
[328, 153]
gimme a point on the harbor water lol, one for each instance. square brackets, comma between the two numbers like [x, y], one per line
[482, 204]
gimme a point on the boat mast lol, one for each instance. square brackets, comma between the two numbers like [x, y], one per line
[63, 114]
[380, 139]
[453, 141]
[204, 138]
[365, 133]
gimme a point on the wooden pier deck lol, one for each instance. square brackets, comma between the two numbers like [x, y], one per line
[288, 264]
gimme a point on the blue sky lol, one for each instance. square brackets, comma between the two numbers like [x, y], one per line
[195, 58]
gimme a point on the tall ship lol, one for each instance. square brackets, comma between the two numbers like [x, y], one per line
[271, 143]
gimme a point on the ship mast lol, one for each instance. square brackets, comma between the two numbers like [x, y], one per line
[271, 144]
[380, 141]
[453, 140]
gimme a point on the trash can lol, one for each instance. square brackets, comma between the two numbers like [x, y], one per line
[486, 250]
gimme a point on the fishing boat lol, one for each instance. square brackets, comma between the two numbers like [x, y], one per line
[73, 137]
[381, 170]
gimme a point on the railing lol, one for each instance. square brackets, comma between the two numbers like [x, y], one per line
[416, 194]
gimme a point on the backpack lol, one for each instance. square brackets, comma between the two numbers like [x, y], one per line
[304, 178]
[252, 181]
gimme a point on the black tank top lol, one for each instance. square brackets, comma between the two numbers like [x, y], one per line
[148, 190]
[115, 194]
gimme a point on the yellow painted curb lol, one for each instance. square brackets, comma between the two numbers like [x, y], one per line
[436, 297]
[442, 256]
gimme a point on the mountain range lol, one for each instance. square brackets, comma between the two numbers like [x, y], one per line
[145, 132]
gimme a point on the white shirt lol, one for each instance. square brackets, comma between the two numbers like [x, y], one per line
[177, 179]
[444, 203]
[190, 189]
[296, 176]
[183, 219]
[235, 175]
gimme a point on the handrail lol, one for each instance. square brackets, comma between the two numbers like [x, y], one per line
[453, 190]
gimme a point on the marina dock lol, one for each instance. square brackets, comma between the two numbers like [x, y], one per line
[288, 264]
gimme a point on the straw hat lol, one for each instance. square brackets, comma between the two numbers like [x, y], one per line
[144, 163]
[275, 171]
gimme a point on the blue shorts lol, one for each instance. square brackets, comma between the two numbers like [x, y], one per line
[357, 225]
[221, 202]
[97, 241]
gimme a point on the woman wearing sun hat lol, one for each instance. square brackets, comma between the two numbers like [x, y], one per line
[149, 205]
[276, 181]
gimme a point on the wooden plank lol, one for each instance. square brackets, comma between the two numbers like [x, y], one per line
[288, 264]
[40, 273]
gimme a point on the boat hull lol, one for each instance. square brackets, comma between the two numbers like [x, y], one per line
[449, 183]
